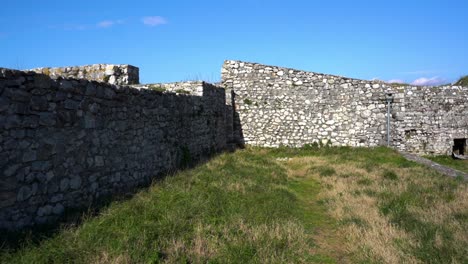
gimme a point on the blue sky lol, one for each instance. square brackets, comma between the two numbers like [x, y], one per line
[425, 42]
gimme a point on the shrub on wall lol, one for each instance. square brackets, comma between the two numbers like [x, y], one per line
[463, 81]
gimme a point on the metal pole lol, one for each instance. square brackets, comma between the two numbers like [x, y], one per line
[389, 98]
[388, 123]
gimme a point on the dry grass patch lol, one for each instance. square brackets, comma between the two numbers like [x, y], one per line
[390, 210]
[367, 233]
[106, 258]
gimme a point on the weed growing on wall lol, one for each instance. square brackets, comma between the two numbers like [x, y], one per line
[157, 88]
[182, 91]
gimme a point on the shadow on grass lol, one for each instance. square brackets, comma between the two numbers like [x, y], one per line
[73, 217]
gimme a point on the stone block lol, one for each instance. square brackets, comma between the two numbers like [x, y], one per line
[58, 209]
[24, 193]
[64, 184]
[29, 156]
[75, 182]
[39, 103]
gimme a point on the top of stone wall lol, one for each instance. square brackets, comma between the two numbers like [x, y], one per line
[237, 67]
[32, 80]
[189, 87]
[194, 88]
[120, 74]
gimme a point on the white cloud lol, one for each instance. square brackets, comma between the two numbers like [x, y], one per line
[428, 81]
[75, 27]
[105, 24]
[153, 21]
[395, 81]
[109, 23]
[420, 72]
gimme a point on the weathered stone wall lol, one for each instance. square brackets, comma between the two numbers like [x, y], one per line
[66, 143]
[199, 88]
[120, 74]
[281, 106]
[426, 120]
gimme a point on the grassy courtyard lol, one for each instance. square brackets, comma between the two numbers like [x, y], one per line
[328, 205]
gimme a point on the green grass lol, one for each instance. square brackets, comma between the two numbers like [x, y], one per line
[247, 101]
[312, 213]
[364, 181]
[237, 208]
[255, 206]
[326, 171]
[461, 165]
[436, 241]
[389, 175]
[182, 91]
[157, 88]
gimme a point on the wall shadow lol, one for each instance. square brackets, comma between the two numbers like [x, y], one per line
[238, 134]
[210, 112]
[74, 217]
[98, 144]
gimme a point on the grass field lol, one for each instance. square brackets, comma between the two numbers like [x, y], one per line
[329, 205]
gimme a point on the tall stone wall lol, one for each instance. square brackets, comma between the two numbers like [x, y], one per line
[119, 74]
[66, 143]
[282, 106]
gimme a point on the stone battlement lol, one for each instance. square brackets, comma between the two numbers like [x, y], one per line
[120, 74]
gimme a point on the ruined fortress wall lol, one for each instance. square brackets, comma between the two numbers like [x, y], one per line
[66, 143]
[281, 106]
[120, 74]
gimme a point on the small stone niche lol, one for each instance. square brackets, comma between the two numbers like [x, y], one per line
[459, 146]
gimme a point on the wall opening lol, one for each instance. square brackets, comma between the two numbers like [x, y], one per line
[459, 146]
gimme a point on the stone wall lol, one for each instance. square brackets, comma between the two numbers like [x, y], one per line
[120, 74]
[282, 106]
[426, 120]
[233, 137]
[67, 143]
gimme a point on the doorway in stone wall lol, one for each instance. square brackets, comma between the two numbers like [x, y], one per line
[459, 146]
